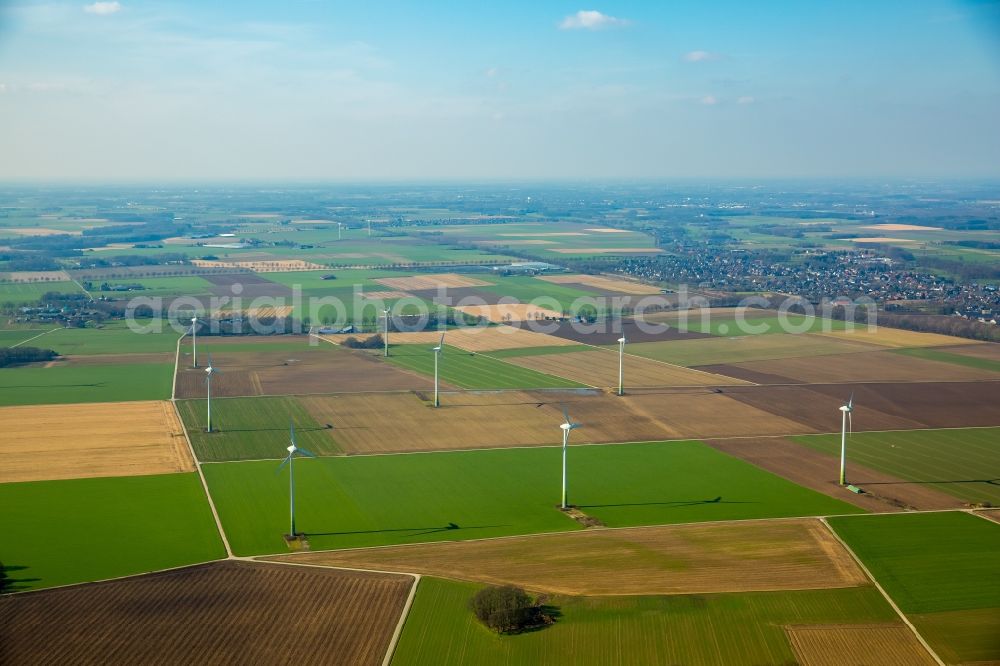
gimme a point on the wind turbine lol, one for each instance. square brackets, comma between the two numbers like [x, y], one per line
[209, 371]
[194, 340]
[289, 460]
[437, 355]
[846, 418]
[621, 365]
[386, 337]
[340, 230]
[566, 426]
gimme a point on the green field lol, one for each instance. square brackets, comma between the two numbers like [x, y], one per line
[941, 569]
[20, 336]
[526, 289]
[694, 630]
[251, 428]
[947, 357]
[181, 285]
[35, 385]
[377, 500]
[112, 338]
[19, 293]
[62, 532]
[720, 350]
[760, 325]
[473, 371]
[964, 462]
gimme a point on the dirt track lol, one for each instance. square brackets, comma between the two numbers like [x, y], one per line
[679, 559]
[819, 471]
[222, 613]
[96, 439]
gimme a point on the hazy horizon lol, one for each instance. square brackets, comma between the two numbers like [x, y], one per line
[256, 93]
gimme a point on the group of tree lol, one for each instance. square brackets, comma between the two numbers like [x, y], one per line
[374, 342]
[20, 355]
[510, 610]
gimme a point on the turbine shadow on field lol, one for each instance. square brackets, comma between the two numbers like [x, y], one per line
[55, 386]
[8, 584]
[674, 503]
[418, 531]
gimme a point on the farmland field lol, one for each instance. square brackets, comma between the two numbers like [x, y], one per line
[895, 337]
[252, 428]
[695, 630]
[872, 645]
[68, 383]
[604, 283]
[113, 338]
[943, 356]
[475, 338]
[381, 500]
[474, 371]
[75, 441]
[964, 462]
[225, 613]
[940, 568]
[680, 559]
[20, 293]
[717, 350]
[599, 367]
[70, 531]
[872, 366]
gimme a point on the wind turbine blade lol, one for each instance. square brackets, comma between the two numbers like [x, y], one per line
[850, 423]
[306, 452]
[291, 432]
[441, 343]
[566, 414]
[283, 463]
[850, 401]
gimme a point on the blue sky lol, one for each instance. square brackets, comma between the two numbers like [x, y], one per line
[166, 91]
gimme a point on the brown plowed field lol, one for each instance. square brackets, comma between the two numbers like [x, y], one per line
[252, 286]
[680, 559]
[42, 442]
[221, 613]
[868, 644]
[991, 514]
[896, 337]
[417, 282]
[607, 332]
[875, 366]
[531, 418]
[325, 369]
[819, 471]
[508, 312]
[599, 367]
[990, 351]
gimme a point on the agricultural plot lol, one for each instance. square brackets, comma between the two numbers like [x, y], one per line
[896, 337]
[318, 369]
[476, 338]
[505, 312]
[20, 293]
[697, 630]
[252, 428]
[66, 382]
[988, 352]
[433, 281]
[225, 612]
[681, 559]
[743, 321]
[71, 531]
[113, 338]
[185, 285]
[469, 370]
[527, 289]
[973, 360]
[603, 283]
[607, 332]
[468, 420]
[940, 568]
[719, 350]
[873, 645]
[346, 502]
[900, 406]
[874, 366]
[599, 368]
[76, 441]
[964, 462]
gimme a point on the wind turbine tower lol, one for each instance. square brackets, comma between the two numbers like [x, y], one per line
[209, 372]
[437, 357]
[621, 365]
[290, 461]
[386, 336]
[566, 426]
[194, 341]
[846, 418]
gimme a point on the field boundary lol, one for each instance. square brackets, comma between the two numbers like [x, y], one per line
[194, 456]
[885, 594]
[35, 337]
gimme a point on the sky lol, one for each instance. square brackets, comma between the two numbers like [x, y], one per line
[233, 91]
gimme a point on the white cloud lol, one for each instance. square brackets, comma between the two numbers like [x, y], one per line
[590, 19]
[746, 99]
[701, 56]
[103, 8]
[3, 88]
[491, 72]
[710, 100]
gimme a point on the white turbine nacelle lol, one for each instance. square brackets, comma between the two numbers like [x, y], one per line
[291, 448]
